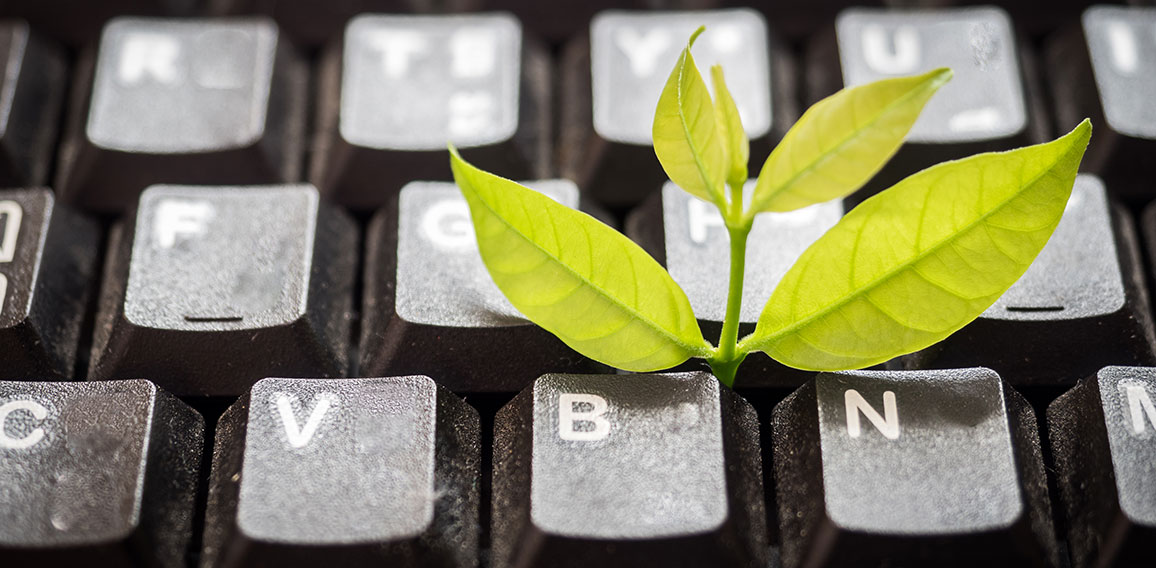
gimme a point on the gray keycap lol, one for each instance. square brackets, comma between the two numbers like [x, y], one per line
[923, 468]
[96, 474]
[430, 307]
[987, 106]
[47, 265]
[627, 470]
[32, 77]
[212, 288]
[1105, 71]
[612, 83]
[184, 101]
[1103, 436]
[1079, 306]
[688, 236]
[404, 86]
[345, 472]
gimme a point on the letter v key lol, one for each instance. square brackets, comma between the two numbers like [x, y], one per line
[299, 436]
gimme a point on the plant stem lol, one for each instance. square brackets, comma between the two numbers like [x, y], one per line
[726, 359]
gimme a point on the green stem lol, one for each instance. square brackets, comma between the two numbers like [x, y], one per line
[726, 359]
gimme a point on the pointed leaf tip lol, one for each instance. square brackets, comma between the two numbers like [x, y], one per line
[694, 36]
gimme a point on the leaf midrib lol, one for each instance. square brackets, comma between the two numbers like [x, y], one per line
[786, 187]
[862, 290]
[694, 151]
[634, 314]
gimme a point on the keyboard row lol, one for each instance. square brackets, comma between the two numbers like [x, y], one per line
[226, 101]
[920, 468]
[209, 289]
[316, 23]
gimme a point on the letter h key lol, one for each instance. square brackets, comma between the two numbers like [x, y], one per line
[210, 289]
[1080, 305]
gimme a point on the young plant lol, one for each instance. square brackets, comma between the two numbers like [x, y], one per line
[900, 272]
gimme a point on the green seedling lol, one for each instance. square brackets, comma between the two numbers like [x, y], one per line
[900, 272]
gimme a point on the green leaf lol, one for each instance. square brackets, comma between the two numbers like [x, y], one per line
[582, 281]
[913, 264]
[842, 141]
[730, 128]
[686, 140]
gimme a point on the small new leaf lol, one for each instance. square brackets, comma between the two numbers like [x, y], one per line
[686, 140]
[842, 141]
[730, 127]
[577, 278]
[915, 263]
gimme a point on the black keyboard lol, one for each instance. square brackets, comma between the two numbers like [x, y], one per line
[243, 320]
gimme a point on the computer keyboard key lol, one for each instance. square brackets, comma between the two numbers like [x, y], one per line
[1105, 70]
[1103, 437]
[627, 470]
[911, 468]
[183, 101]
[990, 104]
[345, 472]
[400, 87]
[209, 289]
[1080, 306]
[96, 474]
[430, 306]
[611, 83]
[47, 269]
[688, 237]
[32, 77]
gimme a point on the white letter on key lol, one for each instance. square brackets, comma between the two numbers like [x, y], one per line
[34, 436]
[568, 417]
[149, 54]
[642, 50]
[855, 403]
[299, 436]
[1140, 404]
[397, 48]
[881, 59]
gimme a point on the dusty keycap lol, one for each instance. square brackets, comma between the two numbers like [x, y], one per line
[1080, 306]
[1103, 437]
[430, 306]
[209, 289]
[309, 472]
[96, 474]
[1104, 69]
[687, 235]
[182, 101]
[911, 468]
[990, 104]
[627, 470]
[47, 275]
[400, 88]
